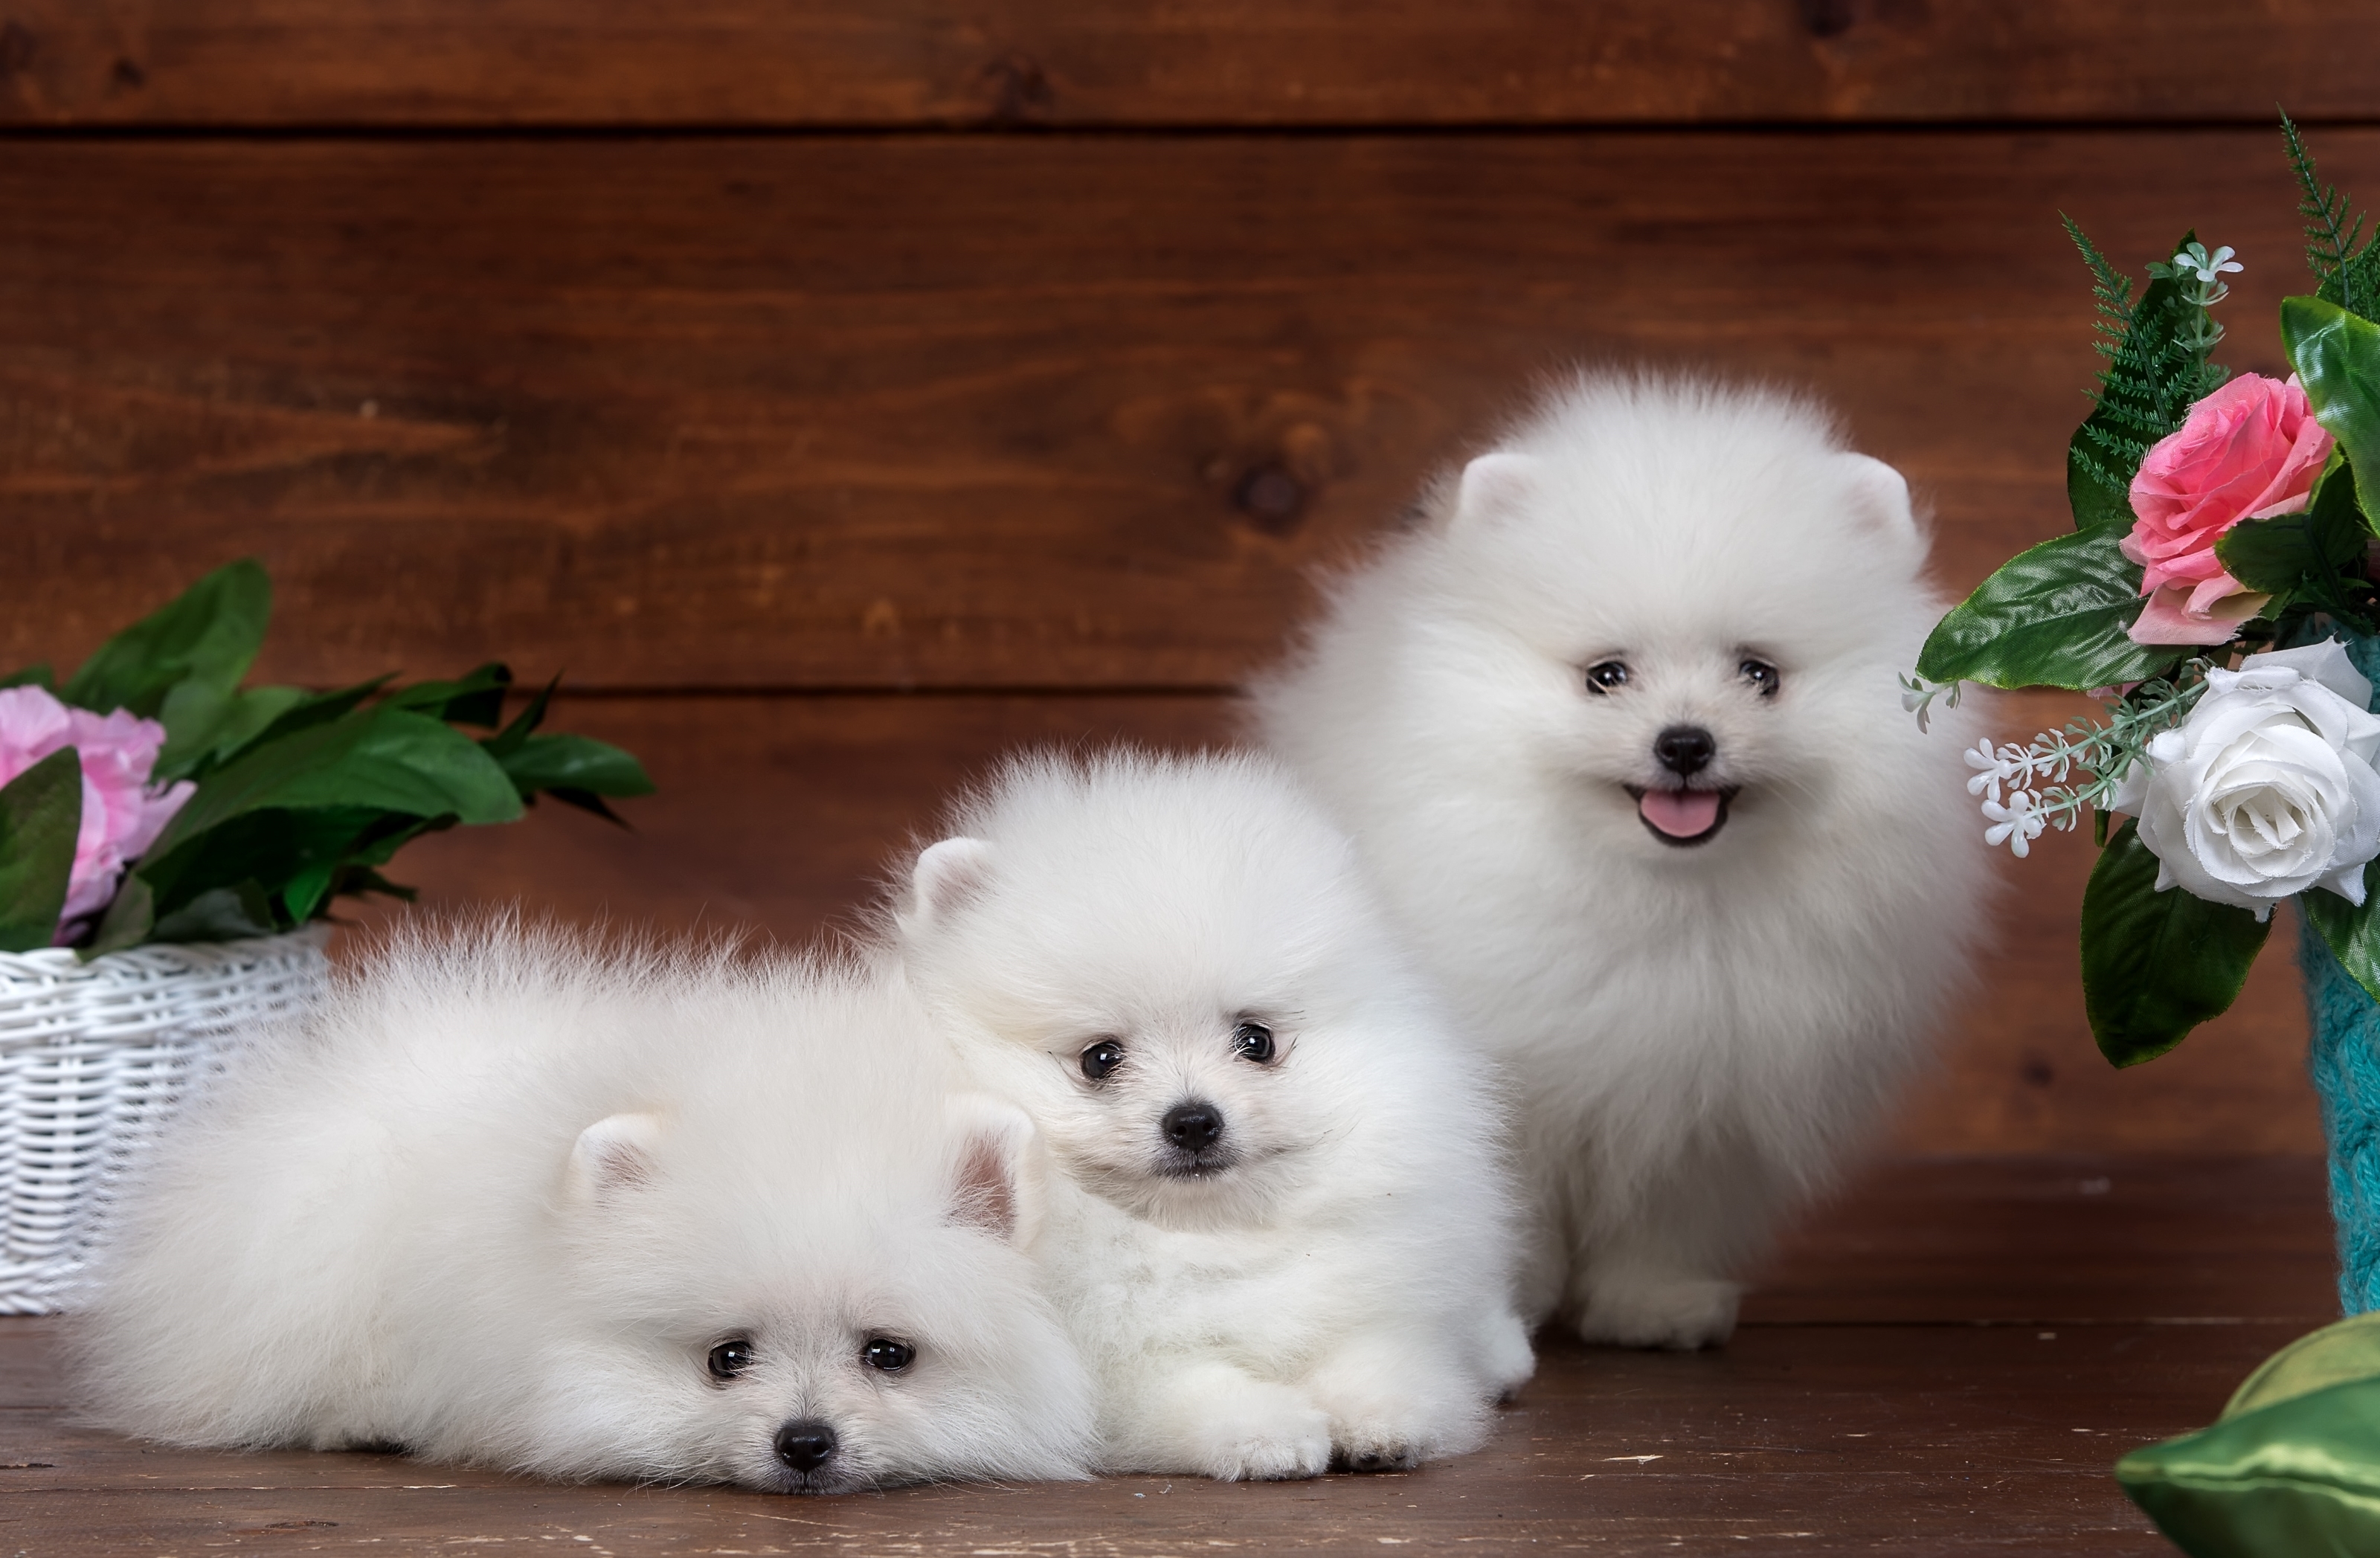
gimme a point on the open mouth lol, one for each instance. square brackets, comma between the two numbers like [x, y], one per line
[1681, 818]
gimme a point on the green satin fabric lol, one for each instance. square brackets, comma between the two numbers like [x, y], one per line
[2292, 1469]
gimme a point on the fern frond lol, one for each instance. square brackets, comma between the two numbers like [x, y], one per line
[2156, 345]
[2332, 231]
[2111, 290]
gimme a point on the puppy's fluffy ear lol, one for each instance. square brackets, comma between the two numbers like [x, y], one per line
[614, 1154]
[1878, 497]
[996, 1181]
[1495, 486]
[945, 875]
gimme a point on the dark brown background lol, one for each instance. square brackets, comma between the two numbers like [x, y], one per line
[841, 394]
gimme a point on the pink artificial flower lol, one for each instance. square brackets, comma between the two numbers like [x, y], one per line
[2249, 451]
[122, 812]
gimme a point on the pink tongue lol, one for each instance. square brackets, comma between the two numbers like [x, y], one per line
[1681, 813]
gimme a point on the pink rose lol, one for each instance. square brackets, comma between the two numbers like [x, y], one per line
[2249, 451]
[122, 812]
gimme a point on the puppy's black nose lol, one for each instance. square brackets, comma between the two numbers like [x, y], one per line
[805, 1443]
[1193, 1125]
[1684, 748]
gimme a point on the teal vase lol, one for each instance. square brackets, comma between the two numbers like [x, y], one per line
[2345, 1059]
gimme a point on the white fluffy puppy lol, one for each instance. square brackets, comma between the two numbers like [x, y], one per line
[1282, 1231]
[1618, 729]
[516, 1200]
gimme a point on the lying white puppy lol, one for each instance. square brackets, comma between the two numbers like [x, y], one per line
[1618, 730]
[1280, 1232]
[516, 1200]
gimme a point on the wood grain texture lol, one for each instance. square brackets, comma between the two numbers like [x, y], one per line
[1827, 1433]
[1145, 62]
[2073, 1240]
[782, 814]
[1049, 412]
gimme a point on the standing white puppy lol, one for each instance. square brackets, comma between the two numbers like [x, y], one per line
[1618, 731]
[510, 1200]
[1281, 1233]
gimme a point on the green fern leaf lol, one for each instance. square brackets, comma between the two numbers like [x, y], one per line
[2153, 377]
[2348, 273]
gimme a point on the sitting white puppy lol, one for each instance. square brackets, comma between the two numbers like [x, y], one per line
[1280, 1232]
[1619, 732]
[514, 1201]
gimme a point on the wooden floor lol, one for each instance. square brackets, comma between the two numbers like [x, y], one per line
[1947, 1362]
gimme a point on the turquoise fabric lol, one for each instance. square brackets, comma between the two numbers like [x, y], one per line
[2345, 1060]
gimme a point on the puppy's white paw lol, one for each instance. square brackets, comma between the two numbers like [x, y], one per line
[1648, 1311]
[1392, 1411]
[1510, 1358]
[1261, 1432]
[1378, 1449]
[1375, 1426]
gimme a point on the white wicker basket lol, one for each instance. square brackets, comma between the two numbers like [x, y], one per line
[94, 1057]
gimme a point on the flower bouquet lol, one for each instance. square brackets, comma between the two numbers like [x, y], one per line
[170, 843]
[151, 799]
[2217, 592]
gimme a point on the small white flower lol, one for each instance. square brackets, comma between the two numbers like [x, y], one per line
[1993, 769]
[2017, 824]
[1997, 766]
[1917, 697]
[2205, 266]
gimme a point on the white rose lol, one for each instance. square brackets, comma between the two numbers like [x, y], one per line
[2268, 787]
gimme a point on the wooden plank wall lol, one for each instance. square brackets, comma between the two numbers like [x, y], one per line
[841, 393]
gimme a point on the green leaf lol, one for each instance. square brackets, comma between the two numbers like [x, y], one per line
[357, 880]
[587, 800]
[266, 715]
[2348, 929]
[2283, 555]
[41, 813]
[510, 739]
[128, 919]
[2308, 562]
[575, 762]
[271, 848]
[307, 892]
[304, 892]
[2156, 965]
[2333, 500]
[2054, 615]
[382, 758]
[32, 675]
[223, 914]
[2276, 557]
[476, 697]
[248, 715]
[2338, 358]
[183, 662]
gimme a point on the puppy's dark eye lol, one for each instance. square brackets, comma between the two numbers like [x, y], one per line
[1252, 1040]
[1605, 674]
[1102, 1058]
[729, 1358]
[1761, 674]
[887, 1356]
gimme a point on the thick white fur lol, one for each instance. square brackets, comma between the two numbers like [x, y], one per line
[1339, 1283]
[1699, 1032]
[501, 1199]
